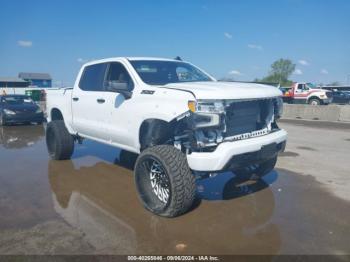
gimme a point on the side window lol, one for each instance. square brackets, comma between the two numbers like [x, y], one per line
[300, 87]
[118, 74]
[93, 77]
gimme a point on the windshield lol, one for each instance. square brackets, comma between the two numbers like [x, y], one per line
[165, 72]
[15, 100]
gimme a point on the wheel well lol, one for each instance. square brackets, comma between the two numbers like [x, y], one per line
[56, 114]
[155, 132]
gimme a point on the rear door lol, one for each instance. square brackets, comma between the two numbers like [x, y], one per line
[89, 105]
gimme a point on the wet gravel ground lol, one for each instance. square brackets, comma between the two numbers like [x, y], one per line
[88, 205]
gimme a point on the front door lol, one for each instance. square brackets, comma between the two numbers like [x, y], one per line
[120, 118]
[301, 93]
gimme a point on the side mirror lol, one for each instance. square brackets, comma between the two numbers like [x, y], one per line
[119, 87]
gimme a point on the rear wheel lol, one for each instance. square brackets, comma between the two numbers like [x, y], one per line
[164, 181]
[60, 144]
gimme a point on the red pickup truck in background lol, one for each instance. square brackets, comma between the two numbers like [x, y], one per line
[306, 93]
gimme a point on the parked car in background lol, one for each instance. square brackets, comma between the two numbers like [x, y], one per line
[19, 109]
[341, 97]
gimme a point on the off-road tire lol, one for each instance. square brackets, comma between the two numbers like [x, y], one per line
[180, 179]
[256, 172]
[60, 144]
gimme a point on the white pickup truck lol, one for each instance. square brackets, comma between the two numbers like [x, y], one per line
[180, 120]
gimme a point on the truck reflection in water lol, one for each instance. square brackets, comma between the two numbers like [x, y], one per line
[16, 137]
[101, 201]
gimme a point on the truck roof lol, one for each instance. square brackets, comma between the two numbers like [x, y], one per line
[131, 58]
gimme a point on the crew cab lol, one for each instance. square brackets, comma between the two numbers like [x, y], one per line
[180, 120]
[307, 93]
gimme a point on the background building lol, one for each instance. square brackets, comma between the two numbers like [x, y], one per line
[13, 85]
[37, 79]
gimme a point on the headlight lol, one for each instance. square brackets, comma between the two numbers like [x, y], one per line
[216, 107]
[38, 111]
[202, 120]
[9, 112]
[206, 113]
[278, 107]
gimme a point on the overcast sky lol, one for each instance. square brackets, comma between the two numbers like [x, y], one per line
[237, 39]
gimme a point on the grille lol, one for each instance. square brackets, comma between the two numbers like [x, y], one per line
[246, 117]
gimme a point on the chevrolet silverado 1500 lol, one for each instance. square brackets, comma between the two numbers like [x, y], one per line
[181, 121]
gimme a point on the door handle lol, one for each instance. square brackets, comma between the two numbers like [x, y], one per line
[75, 98]
[100, 100]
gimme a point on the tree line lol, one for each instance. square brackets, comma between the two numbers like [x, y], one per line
[279, 73]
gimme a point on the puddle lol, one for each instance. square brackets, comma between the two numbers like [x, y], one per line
[94, 194]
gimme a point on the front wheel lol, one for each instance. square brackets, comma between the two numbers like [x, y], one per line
[314, 102]
[60, 144]
[164, 181]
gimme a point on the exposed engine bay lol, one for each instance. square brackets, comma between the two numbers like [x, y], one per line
[214, 122]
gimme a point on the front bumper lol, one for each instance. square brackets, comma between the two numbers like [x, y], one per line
[226, 152]
[24, 117]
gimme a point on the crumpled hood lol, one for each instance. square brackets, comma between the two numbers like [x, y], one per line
[227, 90]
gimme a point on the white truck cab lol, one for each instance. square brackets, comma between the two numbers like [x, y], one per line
[308, 93]
[179, 119]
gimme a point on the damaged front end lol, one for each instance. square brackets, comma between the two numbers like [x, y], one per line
[211, 122]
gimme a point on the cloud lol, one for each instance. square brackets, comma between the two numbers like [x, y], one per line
[324, 71]
[228, 35]
[81, 60]
[304, 62]
[24, 43]
[297, 72]
[253, 46]
[235, 72]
